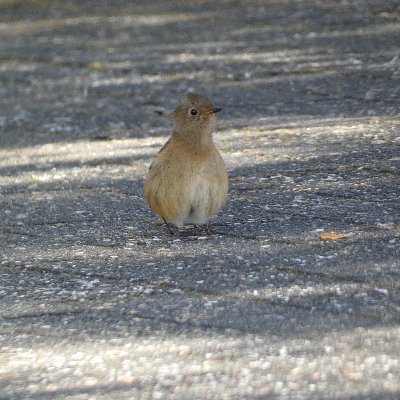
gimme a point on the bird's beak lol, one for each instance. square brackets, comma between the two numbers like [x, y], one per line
[216, 109]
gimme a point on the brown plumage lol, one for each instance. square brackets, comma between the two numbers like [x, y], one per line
[187, 182]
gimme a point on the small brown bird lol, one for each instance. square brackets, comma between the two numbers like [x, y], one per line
[187, 182]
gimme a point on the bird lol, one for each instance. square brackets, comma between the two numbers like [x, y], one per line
[187, 182]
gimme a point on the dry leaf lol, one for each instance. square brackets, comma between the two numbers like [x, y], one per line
[96, 65]
[332, 236]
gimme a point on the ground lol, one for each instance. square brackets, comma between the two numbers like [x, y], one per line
[99, 301]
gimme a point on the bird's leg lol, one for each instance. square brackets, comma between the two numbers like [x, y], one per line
[169, 228]
[208, 227]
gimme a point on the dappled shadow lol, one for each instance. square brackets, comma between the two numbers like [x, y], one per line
[86, 270]
[72, 77]
[275, 212]
[95, 160]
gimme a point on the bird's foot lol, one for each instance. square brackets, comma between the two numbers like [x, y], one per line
[171, 231]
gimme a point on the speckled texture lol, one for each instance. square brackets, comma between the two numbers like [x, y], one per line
[98, 301]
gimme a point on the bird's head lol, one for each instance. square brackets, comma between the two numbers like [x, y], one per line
[194, 118]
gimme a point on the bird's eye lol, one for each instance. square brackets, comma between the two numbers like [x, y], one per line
[193, 111]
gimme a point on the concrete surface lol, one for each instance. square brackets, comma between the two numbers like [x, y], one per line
[98, 301]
